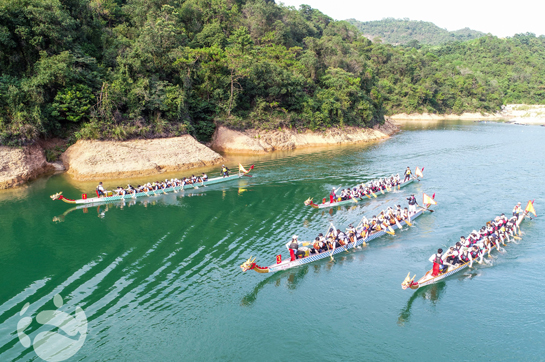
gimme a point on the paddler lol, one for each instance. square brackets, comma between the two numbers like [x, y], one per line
[316, 247]
[437, 260]
[451, 256]
[465, 256]
[100, 190]
[225, 171]
[412, 203]
[407, 174]
[517, 210]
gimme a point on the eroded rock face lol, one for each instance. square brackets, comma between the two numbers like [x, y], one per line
[19, 165]
[257, 141]
[102, 160]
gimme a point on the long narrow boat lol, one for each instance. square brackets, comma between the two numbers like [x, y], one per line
[288, 263]
[428, 279]
[99, 200]
[324, 204]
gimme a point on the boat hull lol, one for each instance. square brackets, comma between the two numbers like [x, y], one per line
[326, 254]
[352, 202]
[101, 200]
[426, 280]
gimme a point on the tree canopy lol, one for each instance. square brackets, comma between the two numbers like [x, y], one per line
[119, 69]
[405, 31]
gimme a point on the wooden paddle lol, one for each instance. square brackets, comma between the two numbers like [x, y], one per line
[388, 229]
[426, 208]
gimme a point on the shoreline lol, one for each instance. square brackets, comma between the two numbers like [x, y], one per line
[254, 141]
[116, 160]
[529, 114]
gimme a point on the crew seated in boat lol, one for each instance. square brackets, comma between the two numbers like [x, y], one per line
[119, 191]
[342, 239]
[451, 256]
[100, 190]
[464, 256]
[318, 245]
[476, 253]
[351, 233]
[204, 177]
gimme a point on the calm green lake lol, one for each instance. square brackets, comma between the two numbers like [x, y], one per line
[160, 280]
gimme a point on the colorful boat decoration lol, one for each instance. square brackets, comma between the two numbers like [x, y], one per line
[339, 202]
[111, 197]
[291, 262]
[428, 279]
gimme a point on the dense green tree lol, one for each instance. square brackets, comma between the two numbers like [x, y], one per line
[119, 69]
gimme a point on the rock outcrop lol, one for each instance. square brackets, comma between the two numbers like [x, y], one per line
[19, 165]
[258, 141]
[101, 160]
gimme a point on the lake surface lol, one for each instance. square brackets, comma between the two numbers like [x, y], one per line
[160, 280]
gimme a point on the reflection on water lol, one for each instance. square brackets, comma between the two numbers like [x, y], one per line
[102, 208]
[431, 292]
[295, 276]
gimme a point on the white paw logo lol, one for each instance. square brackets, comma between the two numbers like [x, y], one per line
[55, 346]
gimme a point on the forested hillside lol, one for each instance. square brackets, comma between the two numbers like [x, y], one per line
[119, 69]
[405, 31]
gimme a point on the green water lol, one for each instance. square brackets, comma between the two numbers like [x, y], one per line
[160, 281]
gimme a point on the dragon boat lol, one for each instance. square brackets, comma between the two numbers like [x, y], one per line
[112, 197]
[428, 279]
[340, 202]
[291, 262]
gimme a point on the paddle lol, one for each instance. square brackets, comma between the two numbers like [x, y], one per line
[408, 222]
[388, 229]
[398, 224]
[332, 249]
[426, 209]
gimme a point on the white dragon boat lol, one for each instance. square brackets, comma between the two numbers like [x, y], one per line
[339, 202]
[112, 197]
[428, 278]
[288, 263]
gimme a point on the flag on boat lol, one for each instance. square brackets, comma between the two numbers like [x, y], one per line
[428, 200]
[530, 208]
[241, 168]
[418, 172]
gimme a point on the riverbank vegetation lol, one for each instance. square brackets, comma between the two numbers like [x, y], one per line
[120, 69]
